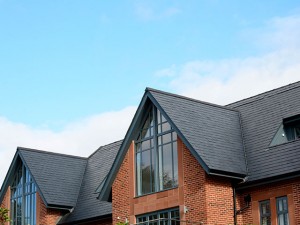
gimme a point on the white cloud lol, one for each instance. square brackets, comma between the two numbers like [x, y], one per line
[229, 80]
[147, 12]
[78, 138]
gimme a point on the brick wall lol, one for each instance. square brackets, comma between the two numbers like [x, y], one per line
[208, 198]
[120, 193]
[219, 200]
[194, 188]
[6, 201]
[290, 188]
[46, 216]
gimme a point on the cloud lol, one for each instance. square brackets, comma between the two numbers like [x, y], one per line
[78, 138]
[148, 13]
[228, 80]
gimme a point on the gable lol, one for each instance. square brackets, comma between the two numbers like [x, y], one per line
[57, 176]
[212, 133]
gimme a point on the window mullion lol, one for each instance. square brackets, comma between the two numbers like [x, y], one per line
[23, 196]
[155, 149]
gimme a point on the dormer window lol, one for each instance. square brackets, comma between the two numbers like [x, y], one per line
[289, 130]
[156, 155]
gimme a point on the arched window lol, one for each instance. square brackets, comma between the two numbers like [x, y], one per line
[23, 198]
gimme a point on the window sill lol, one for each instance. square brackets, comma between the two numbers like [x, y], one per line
[139, 196]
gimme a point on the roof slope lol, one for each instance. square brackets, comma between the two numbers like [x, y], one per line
[88, 206]
[213, 131]
[261, 116]
[58, 176]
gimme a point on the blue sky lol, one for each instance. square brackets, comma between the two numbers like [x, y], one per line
[73, 72]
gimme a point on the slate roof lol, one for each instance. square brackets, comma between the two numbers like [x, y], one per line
[68, 182]
[57, 176]
[261, 117]
[213, 131]
[88, 206]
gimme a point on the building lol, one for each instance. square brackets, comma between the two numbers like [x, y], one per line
[182, 160]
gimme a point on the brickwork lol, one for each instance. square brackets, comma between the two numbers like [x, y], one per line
[219, 200]
[290, 188]
[120, 193]
[6, 201]
[194, 188]
[208, 199]
[46, 216]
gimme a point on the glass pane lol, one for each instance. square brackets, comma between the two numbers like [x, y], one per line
[297, 132]
[281, 219]
[280, 207]
[174, 136]
[167, 166]
[166, 138]
[163, 119]
[159, 129]
[166, 127]
[284, 203]
[153, 166]
[159, 140]
[287, 218]
[175, 164]
[158, 117]
[160, 168]
[138, 173]
[266, 221]
[146, 172]
[146, 145]
[145, 133]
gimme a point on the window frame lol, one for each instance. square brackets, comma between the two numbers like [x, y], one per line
[157, 214]
[261, 214]
[157, 184]
[283, 212]
[23, 192]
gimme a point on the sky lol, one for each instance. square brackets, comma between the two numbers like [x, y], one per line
[72, 73]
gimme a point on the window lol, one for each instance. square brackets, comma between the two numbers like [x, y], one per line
[23, 198]
[289, 130]
[168, 217]
[156, 155]
[282, 211]
[265, 212]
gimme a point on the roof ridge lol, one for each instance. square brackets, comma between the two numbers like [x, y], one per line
[264, 94]
[102, 146]
[191, 99]
[50, 153]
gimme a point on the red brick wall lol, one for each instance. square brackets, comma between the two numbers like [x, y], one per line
[208, 199]
[120, 193]
[194, 188]
[6, 201]
[290, 188]
[219, 200]
[46, 216]
[124, 203]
